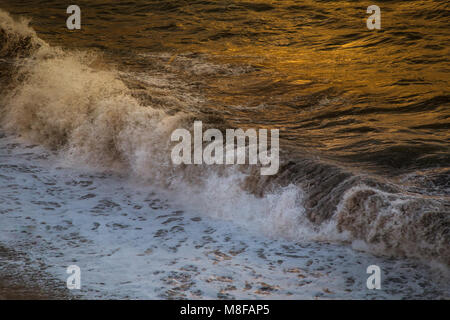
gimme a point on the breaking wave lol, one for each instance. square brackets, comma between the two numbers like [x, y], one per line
[72, 102]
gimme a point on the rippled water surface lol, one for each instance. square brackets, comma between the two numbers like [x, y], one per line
[309, 67]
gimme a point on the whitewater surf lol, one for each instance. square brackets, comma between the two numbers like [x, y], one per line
[87, 177]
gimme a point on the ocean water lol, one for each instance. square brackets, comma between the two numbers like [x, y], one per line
[86, 176]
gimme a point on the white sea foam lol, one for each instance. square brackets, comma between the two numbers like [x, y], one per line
[131, 241]
[93, 118]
